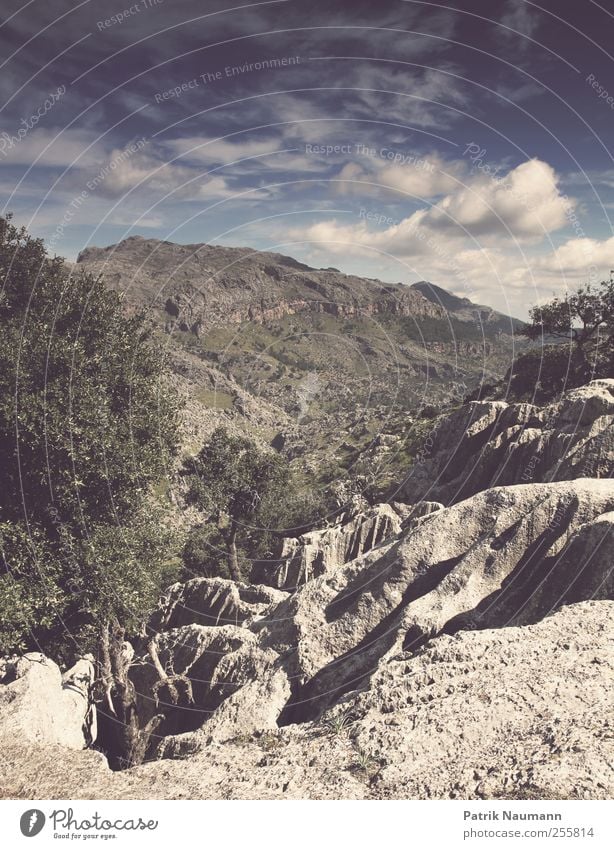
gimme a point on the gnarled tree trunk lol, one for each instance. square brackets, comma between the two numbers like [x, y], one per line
[125, 742]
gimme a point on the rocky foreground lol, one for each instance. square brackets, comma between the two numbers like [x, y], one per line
[460, 648]
[521, 712]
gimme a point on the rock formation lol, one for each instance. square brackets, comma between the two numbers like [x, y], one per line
[508, 713]
[261, 340]
[505, 557]
[455, 648]
[202, 285]
[40, 705]
[493, 443]
[320, 551]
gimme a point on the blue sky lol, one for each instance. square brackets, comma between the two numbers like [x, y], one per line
[466, 143]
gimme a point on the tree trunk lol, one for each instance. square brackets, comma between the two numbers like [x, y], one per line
[233, 560]
[126, 744]
[119, 710]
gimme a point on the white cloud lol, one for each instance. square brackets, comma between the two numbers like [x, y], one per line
[519, 16]
[463, 241]
[526, 204]
[420, 177]
[50, 147]
[219, 151]
[576, 257]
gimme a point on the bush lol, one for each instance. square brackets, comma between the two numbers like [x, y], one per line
[205, 555]
[543, 373]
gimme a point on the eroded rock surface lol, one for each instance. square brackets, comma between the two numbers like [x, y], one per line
[39, 705]
[213, 601]
[320, 551]
[514, 713]
[507, 556]
[493, 443]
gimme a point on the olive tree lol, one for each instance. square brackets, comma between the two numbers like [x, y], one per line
[585, 319]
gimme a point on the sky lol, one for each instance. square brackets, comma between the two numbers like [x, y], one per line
[468, 144]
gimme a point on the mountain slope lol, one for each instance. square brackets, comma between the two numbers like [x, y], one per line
[465, 310]
[326, 359]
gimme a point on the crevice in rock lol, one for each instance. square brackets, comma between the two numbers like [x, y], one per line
[503, 607]
[347, 671]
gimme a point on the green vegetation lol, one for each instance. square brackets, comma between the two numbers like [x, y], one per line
[543, 373]
[214, 399]
[584, 320]
[205, 554]
[87, 428]
[237, 483]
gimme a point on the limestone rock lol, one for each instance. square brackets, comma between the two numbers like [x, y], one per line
[476, 564]
[213, 601]
[492, 443]
[505, 556]
[320, 551]
[38, 705]
[217, 660]
[509, 713]
[413, 515]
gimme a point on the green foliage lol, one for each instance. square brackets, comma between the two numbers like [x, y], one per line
[239, 484]
[122, 571]
[31, 593]
[230, 474]
[87, 426]
[541, 373]
[204, 554]
[339, 724]
[252, 500]
[586, 319]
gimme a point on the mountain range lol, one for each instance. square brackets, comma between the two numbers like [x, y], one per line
[317, 362]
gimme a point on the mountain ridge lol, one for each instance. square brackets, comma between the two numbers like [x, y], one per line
[270, 273]
[269, 345]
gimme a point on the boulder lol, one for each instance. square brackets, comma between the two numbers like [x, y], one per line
[213, 601]
[510, 713]
[217, 661]
[413, 515]
[38, 705]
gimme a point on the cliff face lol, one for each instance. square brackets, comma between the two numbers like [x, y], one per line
[490, 443]
[262, 342]
[202, 286]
